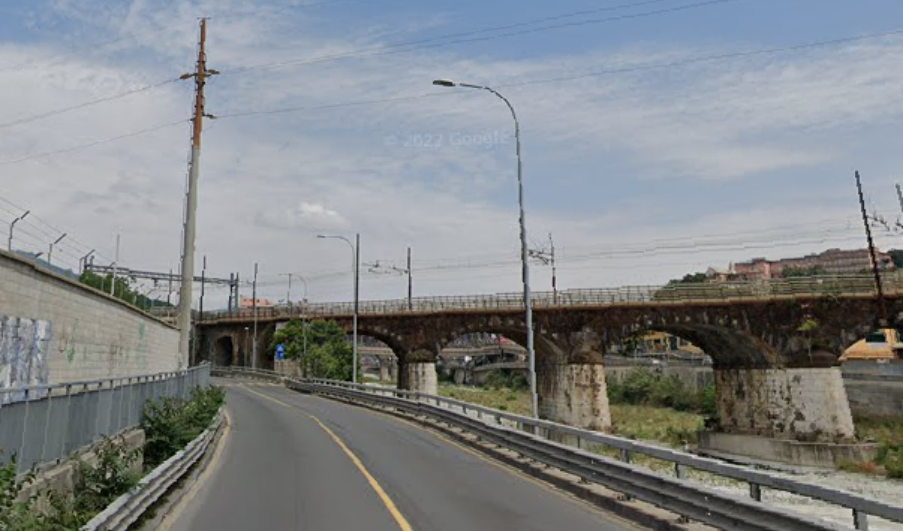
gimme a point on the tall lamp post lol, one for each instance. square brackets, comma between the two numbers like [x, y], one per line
[523, 238]
[9, 245]
[355, 267]
[288, 300]
[304, 319]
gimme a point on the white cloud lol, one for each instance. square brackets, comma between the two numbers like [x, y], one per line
[270, 183]
[311, 216]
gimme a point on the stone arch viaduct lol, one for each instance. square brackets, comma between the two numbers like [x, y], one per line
[774, 346]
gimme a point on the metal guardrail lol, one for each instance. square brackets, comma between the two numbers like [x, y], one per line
[130, 507]
[45, 423]
[536, 438]
[676, 294]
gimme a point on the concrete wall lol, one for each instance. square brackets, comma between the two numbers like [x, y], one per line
[800, 404]
[418, 377]
[575, 394]
[56, 330]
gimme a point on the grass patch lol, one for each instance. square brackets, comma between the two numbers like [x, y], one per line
[515, 401]
[649, 423]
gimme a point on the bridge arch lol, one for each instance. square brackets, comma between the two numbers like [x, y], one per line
[222, 351]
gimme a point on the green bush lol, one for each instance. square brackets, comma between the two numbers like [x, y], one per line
[649, 388]
[96, 487]
[893, 463]
[171, 423]
[502, 379]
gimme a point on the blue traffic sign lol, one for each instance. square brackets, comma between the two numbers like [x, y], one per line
[280, 351]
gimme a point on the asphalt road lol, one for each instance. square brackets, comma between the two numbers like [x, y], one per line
[298, 462]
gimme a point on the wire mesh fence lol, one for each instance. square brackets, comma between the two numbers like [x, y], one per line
[45, 423]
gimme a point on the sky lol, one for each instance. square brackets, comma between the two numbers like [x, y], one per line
[658, 137]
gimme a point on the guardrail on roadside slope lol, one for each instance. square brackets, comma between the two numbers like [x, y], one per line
[131, 506]
[535, 438]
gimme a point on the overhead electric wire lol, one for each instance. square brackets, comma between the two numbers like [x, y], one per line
[430, 42]
[623, 70]
[93, 144]
[86, 104]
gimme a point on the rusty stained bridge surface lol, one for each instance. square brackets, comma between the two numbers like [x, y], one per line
[796, 289]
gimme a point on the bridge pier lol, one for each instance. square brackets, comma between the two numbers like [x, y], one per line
[418, 376]
[574, 394]
[803, 404]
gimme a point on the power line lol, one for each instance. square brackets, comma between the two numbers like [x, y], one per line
[685, 62]
[86, 104]
[623, 70]
[428, 43]
[93, 144]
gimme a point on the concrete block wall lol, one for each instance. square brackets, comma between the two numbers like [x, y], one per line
[56, 330]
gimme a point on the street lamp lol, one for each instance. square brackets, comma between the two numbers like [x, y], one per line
[523, 237]
[50, 254]
[355, 263]
[9, 245]
[304, 306]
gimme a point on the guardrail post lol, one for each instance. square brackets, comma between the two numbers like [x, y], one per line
[625, 455]
[860, 520]
[755, 491]
[679, 471]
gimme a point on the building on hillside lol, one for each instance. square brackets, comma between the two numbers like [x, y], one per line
[832, 262]
[713, 274]
[248, 302]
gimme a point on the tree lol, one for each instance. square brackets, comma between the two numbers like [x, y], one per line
[329, 354]
[897, 256]
[123, 289]
[692, 278]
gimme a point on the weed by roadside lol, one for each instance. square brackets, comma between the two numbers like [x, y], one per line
[95, 488]
[888, 433]
[171, 423]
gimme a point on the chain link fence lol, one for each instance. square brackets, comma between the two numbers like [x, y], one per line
[45, 423]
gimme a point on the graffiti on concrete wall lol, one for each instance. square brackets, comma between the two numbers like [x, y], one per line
[24, 344]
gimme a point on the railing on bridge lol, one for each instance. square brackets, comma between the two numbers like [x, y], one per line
[807, 287]
[47, 422]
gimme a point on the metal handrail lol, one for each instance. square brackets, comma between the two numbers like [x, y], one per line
[860, 505]
[113, 381]
[676, 294]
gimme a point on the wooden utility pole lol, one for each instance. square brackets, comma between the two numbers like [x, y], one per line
[191, 201]
[882, 307]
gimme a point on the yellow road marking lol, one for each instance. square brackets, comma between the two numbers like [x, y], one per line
[176, 511]
[492, 461]
[387, 501]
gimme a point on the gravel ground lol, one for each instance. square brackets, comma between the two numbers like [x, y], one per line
[883, 489]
